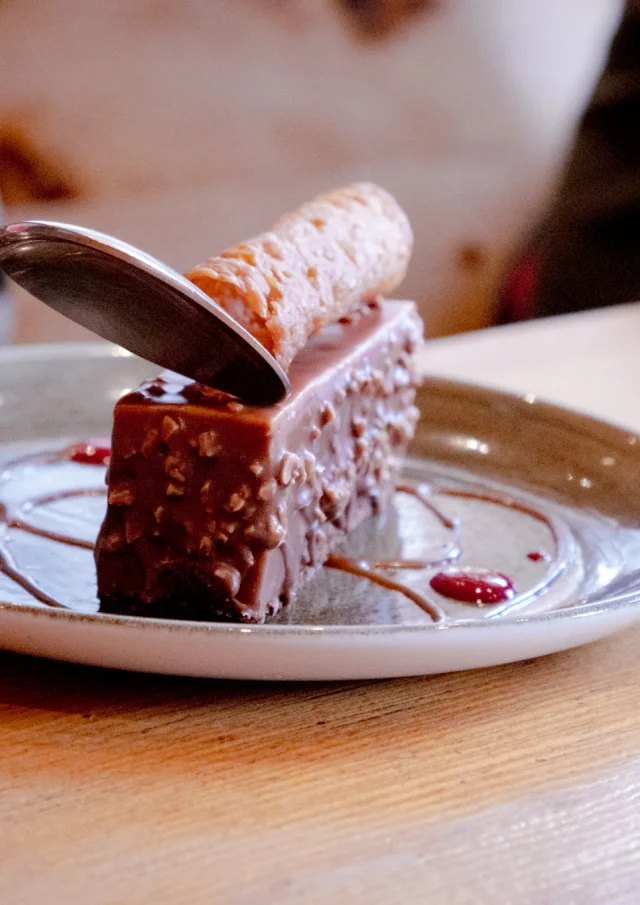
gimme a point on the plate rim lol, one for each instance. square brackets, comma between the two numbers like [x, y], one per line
[595, 609]
[41, 352]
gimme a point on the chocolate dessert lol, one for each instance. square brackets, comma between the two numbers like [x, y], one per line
[217, 509]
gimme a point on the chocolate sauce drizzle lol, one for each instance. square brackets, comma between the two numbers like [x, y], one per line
[8, 565]
[423, 492]
[23, 525]
[365, 569]
[362, 568]
[9, 568]
[370, 569]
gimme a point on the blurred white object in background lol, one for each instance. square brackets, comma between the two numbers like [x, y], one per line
[186, 127]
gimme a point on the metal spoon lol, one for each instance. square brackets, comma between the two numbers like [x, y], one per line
[128, 297]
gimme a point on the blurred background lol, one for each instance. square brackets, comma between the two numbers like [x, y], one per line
[183, 127]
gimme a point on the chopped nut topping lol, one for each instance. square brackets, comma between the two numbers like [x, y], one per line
[235, 406]
[169, 427]
[327, 414]
[334, 499]
[149, 443]
[173, 465]
[205, 492]
[174, 490]
[206, 546]
[287, 465]
[133, 529]
[331, 493]
[358, 427]
[208, 444]
[246, 555]
[267, 490]
[158, 512]
[275, 531]
[309, 465]
[257, 468]
[360, 450]
[113, 541]
[366, 384]
[271, 535]
[229, 576]
[319, 515]
[238, 499]
[121, 496]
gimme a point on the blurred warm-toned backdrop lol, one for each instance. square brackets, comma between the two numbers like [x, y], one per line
[183, 127]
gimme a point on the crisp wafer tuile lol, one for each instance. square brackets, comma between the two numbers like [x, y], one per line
[313, 267]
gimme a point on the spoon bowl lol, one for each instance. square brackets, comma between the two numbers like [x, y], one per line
[130, 298]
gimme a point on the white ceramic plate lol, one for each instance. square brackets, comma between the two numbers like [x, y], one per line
[559, 482]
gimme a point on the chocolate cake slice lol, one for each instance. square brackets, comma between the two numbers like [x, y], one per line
[222, 510]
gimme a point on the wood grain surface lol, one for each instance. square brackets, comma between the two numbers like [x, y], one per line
[519, 784]
[521, 780]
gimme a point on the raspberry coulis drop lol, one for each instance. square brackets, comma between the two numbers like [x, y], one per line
[477, 586]
[93, 452]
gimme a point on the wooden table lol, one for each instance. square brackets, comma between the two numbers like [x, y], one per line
[519, 784]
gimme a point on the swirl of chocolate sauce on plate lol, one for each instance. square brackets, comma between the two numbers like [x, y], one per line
[83, 453]
[22, 525]
[479, 587]
[473, 586]
[362, 568]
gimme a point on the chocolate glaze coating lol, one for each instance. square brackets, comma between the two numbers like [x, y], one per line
[221, 510]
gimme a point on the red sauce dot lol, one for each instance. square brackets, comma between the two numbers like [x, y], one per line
[477, 586]
[95, 452]
[538, 556]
